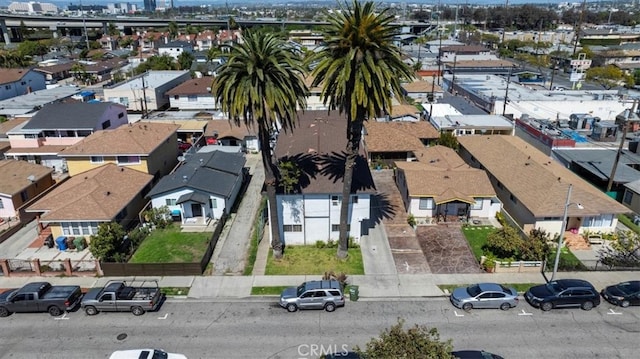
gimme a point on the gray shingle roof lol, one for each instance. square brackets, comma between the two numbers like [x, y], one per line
[76, 115]
[214, 172]
[599, 162]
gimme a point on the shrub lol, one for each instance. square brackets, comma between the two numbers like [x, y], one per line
[411, 220]
[352, 243]
[332, 243]
[320, 244]
[340, 277]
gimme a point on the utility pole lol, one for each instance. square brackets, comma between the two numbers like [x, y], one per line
[84, 25]
[433, 87]
[453, 78]
[506, 93]
[145, 107]
[577, 29]
[504, 30]
[625, 126]
[440, 45]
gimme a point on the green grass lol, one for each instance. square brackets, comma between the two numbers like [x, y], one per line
[477, 238]
[172, 246]
[568, 261]
[629, 223]
[255, 241]
[520, 287]
[299, 260]
[175, 290]
[275, 290]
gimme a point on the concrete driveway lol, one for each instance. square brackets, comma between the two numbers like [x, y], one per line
[446, 249]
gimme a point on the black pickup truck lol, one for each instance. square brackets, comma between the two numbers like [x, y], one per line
[40, 297]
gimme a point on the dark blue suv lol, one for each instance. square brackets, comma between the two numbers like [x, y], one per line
[563, 293]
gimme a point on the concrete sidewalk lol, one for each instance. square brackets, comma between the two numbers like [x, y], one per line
[372, 287]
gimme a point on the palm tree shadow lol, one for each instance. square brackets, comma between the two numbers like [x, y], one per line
[308, 167]
[332, 166]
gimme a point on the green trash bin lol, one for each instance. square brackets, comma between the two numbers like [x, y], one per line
[79, 243]
[353, 293]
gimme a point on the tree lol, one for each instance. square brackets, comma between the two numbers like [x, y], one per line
[173, 30]
[413, 343]
[262, 84]
[159, 217]
[33, 48]
[448, 139]
[105, 244]
[623, 250]
[164, 62]
[185, 59]
[505, 242]
[536, 247]
[289, 175]
[607, 76]
[23, 31]
[112, 29]
[360, 68]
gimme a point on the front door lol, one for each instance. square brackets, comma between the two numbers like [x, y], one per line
[196, 210]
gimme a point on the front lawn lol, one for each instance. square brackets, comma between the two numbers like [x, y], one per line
[477, 238]
[172, 246]
[275, 290]
[568, 261]
[299, 260]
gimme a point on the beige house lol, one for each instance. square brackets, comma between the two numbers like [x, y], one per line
[104, 194]
[20, 182]
[442, 185]
[533, 188]
[147, 147]
[397, 140]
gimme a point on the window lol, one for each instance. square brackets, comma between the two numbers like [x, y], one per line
[8, 87]
[426, 203]
[628, 196]
[1, 204]
[500, 185]
[478, 204]
[108, 296]
[24, 196]
[292, 227]
[604, 220]
[176, 97]
[121, 115]
[75, 229]
[170, 201]
[106, 124]
[354, 199]
[336, 227]
[23, 83]
[97, 159]
[128, 160]
[192, 98]
[335, 200]
[213, 203]
[319, 294]
[513, 198]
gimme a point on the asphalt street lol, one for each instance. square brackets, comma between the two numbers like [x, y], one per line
[260, 329]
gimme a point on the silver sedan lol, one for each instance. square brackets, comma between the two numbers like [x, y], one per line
[484, 295]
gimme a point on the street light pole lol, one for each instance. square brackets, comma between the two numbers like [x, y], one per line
[561, 237]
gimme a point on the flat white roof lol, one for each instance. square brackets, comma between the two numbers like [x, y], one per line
[26, 103]
[473, 121]
[441, 109]
[152, 79]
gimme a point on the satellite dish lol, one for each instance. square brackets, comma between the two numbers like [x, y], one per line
[31, 178]
[181, 158]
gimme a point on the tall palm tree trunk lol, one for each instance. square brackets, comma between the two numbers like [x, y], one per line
[270, 182]
[353, 151]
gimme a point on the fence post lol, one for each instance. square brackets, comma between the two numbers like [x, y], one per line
[521, 267]
[35, 263]
[4, 263]
[67, 266]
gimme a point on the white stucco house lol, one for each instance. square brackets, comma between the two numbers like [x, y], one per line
[203, 187]
[310, 212]
[149, 89]
[175, 48]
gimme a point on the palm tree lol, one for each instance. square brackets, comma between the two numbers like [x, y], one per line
[360, 68]
[261, 83]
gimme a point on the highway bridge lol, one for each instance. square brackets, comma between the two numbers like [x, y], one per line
[9, 23]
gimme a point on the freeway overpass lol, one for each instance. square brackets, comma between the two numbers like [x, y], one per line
[9, 23]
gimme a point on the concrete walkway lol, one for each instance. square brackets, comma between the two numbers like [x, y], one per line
[230, 255]
[376, 254]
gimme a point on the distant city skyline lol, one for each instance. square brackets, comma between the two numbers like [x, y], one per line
[178, 3]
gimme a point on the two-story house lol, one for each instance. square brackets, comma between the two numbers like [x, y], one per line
[194, 94]
[175, 48]
[59, 125]
[146, 92]
[206, 40]
[16, 82]
[147, 147]
[20, 182]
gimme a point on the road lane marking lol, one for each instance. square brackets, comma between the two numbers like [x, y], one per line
[612, 312]
[525, 313]
[458, 315]
[63, 317]
[165, 317]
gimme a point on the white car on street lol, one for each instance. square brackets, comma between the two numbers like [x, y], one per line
[145, 354]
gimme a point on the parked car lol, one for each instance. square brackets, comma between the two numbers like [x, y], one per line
[40, 297]
[119, 296]
[623, 294]
[145, 354]
[316, 294]
[563, 293]
[484, 295]
[474, 354]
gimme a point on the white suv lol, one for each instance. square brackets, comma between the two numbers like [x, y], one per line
[317, 294]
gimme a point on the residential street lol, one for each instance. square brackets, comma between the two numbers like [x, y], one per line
[260, 329]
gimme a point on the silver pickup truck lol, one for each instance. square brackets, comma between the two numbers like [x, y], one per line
[120, 296]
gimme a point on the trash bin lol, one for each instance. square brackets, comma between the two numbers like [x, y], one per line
[353, 293]
[62, 243]
[49, 241]
[79, 243]
[70, 242]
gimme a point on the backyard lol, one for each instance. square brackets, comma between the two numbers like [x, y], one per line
[312, 260]
[170, 245]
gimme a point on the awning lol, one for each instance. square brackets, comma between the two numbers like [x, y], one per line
[193, 197]
[176, 213]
